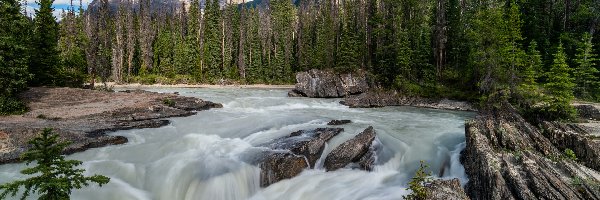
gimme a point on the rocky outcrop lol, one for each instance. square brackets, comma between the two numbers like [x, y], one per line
[374, 99]
[290, 155]
[336, 122]
[508, 158]
[356, 150]
[279, 166]
[588, 111]
[83, 117]
[328, 84]
[570, 136]
[445, 190]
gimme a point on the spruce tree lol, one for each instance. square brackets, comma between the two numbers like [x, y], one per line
[348, 53]
[586, 74]
[14, 36]
[212, 62]
[56, 177]
[45, 61]
[560, 86]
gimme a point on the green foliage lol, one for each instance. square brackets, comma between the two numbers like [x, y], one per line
[45, 61]
[559, 86]
[56, 177]
[570, 154]
[212, 63]
[585, 73]
[169, 102]
[418, 182]
[14, 56]
[11, 106]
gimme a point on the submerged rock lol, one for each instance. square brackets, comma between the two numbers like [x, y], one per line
[328, 84]
[445, 190]
[508, 158]
[355, 150]
[336, 122]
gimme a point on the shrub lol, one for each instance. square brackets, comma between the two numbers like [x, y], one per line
[570, 154]
[11, 106]
[57, 176]
[169, 102]
[418, 182]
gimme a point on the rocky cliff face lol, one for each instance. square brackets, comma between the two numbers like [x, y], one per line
[328, 84]
[508, 158]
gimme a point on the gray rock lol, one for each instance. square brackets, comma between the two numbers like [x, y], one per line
[290, 155]
[373, 99]
[446, 190]
[508, 158]
[328, 84]
[570, 136]
[280, 166]
[351, 151]
[588, 111]
[338, 122]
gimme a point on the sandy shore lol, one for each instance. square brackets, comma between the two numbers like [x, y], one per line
[254, 86]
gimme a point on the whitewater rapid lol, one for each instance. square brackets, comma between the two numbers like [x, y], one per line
[204, 156]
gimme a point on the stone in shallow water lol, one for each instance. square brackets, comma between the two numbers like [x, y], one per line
[290, 155]
[336, 122]
[351, 151]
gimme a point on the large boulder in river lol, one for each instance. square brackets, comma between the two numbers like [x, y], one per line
[355, 150]
[328, 84]
[279, 166]
[508, 158]
[290, 155]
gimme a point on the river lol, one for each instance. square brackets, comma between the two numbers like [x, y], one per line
[203, 156]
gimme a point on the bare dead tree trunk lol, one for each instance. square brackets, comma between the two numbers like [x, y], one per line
[92, 48]
[130, 38]
[146, 34]
[117, 50]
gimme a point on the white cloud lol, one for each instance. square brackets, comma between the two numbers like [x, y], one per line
[58, 13]
[63, 2]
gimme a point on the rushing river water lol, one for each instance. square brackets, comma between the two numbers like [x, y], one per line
[202, 156]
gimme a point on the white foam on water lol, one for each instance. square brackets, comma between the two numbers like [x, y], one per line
[206, 156]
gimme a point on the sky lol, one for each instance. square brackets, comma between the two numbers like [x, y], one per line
[59, 6]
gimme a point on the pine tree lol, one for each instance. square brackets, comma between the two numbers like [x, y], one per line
[348, 53]
[57, 176]
[514, 54]
[14, 54]
[560, 86]
[212, 60]
[45, 61]
[586, 74]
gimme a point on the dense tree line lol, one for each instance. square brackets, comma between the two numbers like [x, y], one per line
[537, 50]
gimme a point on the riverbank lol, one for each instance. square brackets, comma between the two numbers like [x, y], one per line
[83, 117]
[253, 86]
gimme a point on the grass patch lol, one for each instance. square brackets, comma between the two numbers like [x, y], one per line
[169, 102]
